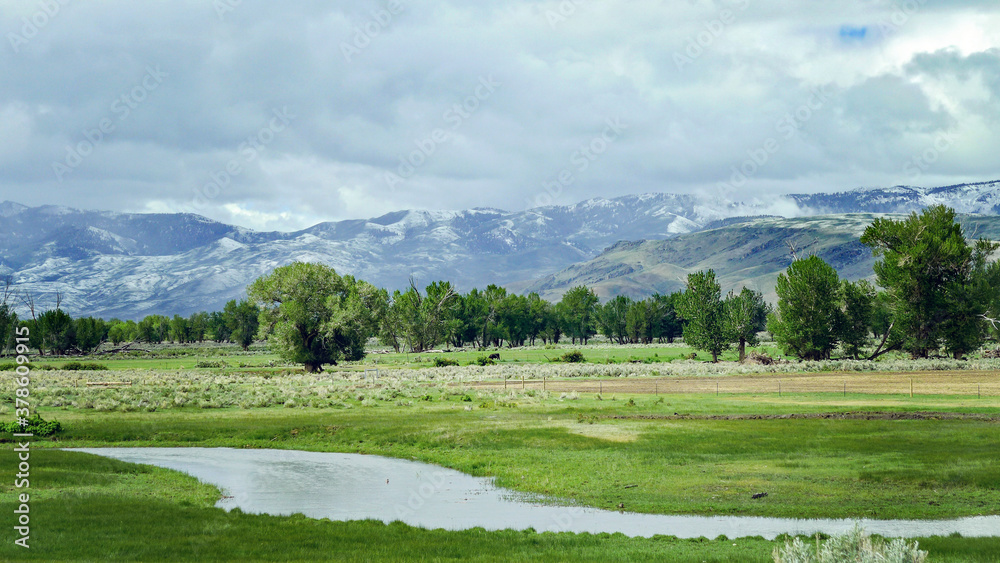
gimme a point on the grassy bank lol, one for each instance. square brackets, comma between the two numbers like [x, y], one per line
[707, 460]
[90, 508]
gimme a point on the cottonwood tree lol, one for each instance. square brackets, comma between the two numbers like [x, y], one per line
[928, 267]
[746, 315]
[313, 316]
[580, 310]
[701, 306]
[613, 319]
[242, 320]
[857, 309]
[806, 321]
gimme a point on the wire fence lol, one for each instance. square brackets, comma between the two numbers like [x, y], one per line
[964, 385]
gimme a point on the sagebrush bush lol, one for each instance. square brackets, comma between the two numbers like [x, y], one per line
[855, 546]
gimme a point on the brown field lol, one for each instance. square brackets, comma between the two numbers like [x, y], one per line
[963, 383]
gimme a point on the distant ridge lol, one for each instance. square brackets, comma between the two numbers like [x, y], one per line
[128, 265]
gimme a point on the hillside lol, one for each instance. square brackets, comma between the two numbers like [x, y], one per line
[129, 265]
[749, 254]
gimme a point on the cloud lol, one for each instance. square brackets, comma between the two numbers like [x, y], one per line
[373, 82]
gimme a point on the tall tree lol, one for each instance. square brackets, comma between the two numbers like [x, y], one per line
[858, 305]
[242, 320]
[746, 315]
[701, 305]
[613, 318]
[314, 316]
[927, 268]
[57, 330]
[806, 321]
[90, 333]
[580, 309]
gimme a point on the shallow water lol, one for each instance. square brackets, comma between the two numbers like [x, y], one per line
[354, 487]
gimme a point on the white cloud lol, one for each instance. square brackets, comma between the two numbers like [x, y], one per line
[891, 94]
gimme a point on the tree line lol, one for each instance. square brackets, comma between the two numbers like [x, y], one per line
[935, 292]
[55, 332]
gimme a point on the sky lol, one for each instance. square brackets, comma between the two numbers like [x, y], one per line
[280, 115]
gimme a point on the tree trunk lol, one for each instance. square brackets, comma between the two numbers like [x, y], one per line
[743, 349]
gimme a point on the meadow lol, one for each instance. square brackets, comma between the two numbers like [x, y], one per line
[817, 453]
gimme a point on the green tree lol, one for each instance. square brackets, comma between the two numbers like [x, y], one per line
[746, 315]
[154, 328]
[90, 333]
[612, 318]
[197, 326]
[858, 307]
[57, 330]
[701, 306]
[639, 321]
[807, 318]
[927, 268]
[580, 309]
[217, 327]
[123, 331]
[178, 331]
[312, 315]
[242, 321]
[8, 324]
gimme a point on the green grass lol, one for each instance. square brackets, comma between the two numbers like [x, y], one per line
[580, 450]
[85, 507]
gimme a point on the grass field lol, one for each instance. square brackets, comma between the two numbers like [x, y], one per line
[818, 453]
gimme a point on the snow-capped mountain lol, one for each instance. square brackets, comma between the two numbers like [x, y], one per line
[128, 265]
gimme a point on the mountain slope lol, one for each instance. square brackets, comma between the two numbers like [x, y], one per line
[129, 265]
[748, 254]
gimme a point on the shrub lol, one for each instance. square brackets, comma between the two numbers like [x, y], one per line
[36, 425]
[485, 361]
[444, 362]
[210, 364]
[84, 366]
[573, 357]
[855, 545]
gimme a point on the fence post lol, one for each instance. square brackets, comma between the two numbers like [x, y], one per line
[600, 387]
[522, 382]
[716, 388]
[911, 387]
[779, 387]
[656, 388]
[543, 383]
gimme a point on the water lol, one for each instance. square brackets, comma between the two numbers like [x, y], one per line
[354, 487]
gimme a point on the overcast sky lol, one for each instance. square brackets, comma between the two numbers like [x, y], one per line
[278, 115]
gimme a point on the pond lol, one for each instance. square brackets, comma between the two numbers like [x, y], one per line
[355, 487]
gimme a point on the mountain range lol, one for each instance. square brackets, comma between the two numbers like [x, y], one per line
[128, 265]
